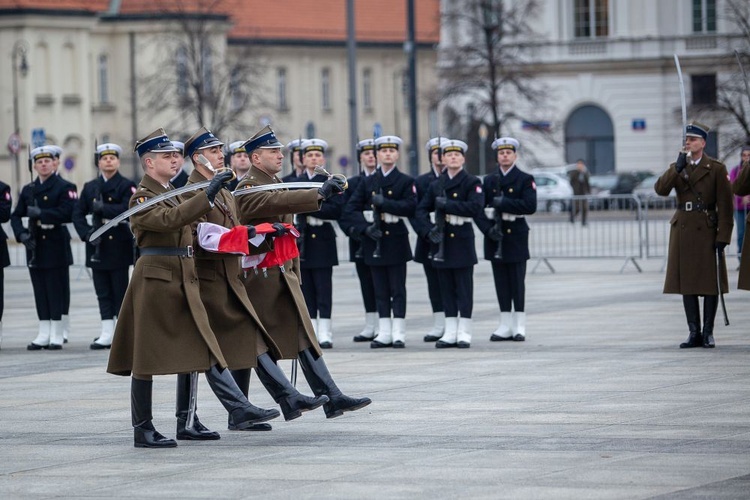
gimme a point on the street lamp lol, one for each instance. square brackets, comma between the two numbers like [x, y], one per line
[482, 148]
[20, 49]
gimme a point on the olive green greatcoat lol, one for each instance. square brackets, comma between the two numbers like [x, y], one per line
[691, 264]
[233, 318]
[741, 187]
[162, 327]
[276, 293]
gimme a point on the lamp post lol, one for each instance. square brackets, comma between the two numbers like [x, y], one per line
[20, 48]
[483, 147]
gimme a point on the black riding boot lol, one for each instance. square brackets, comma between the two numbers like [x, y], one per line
[321, 382]
[710, 305]
[241, 412]
[693, 315]
[144, 434]
[292, 402]
[242, 378]
[199, 432]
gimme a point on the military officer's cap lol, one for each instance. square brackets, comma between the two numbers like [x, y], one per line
[435, 143]
[263, 139]
[294, 146]
[695, 129]
[365, 145]
[56, 150]
[314, 145]
[180, 147]
[155, 142]
[237, 147]
[388, 141]
[47, 151]
[505, 143]
[202, 139]
[108, 149]
[455, 145]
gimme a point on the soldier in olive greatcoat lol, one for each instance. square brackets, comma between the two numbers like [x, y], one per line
[700, 229]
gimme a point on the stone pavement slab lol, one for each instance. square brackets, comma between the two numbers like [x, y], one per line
[597, 403]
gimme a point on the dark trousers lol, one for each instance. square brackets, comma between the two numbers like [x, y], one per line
[2, 292]
[457, 289]
[66, 290]
[510, 285]
[433, 287]
[317, 287]
[365, 284]
[581, 206]
[390, 290]
[110, 286]
[48, 285]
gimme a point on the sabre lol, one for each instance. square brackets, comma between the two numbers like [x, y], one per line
[272, 187]
[683, 102]
[193, 404]
[719, 254]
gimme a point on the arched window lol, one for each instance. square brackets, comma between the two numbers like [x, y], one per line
[103, 70]
[589, 135]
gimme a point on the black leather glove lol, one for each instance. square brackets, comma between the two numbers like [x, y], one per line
[280, 230]
[681, 162]
[251, 232]
[218, 182]
[330, 187]
[34, 212]
[27, 241]
[440, 202]
[720, 246]
[497, 202]
[495, 233]
[435, 235]
[97, 207]
[373, 232]
[377, 200]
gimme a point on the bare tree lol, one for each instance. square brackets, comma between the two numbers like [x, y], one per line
[488, 57]
[197, 81]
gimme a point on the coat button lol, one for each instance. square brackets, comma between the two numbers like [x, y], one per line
[109, 198]
[313, 236]
[455, 195]
[374, 193]
[387, 233]
[510, 190]
[44, 236]
[45, 197]
[508, 231]
[390, 192]
[111, 237]
[452, 235]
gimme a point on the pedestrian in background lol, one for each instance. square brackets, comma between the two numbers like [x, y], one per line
[741, 203]
[579, 180]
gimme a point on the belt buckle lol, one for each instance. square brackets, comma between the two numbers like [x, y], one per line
[688, 206]
[190, 251]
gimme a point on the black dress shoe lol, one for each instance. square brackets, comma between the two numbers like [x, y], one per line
[362, 338]
[143, 437]
[498, 338]
[518, 338]
[54, 347]
[199, 432]
[35, 347]
[326, 345]
[398, 344]
[431, 338]
[98, 347]
[379, 345]
[254, 427]
[708, 341]
[463, 345]
[443, 345]
[694, 340]
[65, 341]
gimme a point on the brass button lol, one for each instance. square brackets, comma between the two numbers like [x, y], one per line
[111, 237]
[510, 190]
[109, 198]
[387, 233]
[313, 236]
[455, 195]
[452, 235]
[390, 192]
[508, 231]
[44, 236]
[374, 193]
[45, 197]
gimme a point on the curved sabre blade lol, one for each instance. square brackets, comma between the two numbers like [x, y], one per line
[683, 102]
[152, 201]
[279, 185]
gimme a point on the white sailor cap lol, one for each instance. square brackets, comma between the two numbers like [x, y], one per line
[108, 148]
[46, 151]
[179, 146]
[293, 146]
[314, 145]
[455, 145]
[505, 143]
[237, 147]
[388, 141]
[435, 143]
[365, 145]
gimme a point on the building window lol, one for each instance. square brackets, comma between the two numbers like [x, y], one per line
[235, 90]
[704, 16]
[103, 79]
[325, 87]
[206, 61]
[182, 72]
[367, 88]
[704, 89]
[282, 103]
[591, 18]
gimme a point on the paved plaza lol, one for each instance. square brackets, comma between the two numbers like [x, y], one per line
[597, 403]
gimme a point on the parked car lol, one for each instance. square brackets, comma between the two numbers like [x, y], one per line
[645, 192]
[553, 192]
[605, 186]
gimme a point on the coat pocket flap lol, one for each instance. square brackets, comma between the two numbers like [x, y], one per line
[158, 273]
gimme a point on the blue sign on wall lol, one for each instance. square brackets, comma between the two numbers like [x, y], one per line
[38, 137]
[377, 130]
[639, 124]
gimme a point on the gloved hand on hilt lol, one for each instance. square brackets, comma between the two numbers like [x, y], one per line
[219, 181]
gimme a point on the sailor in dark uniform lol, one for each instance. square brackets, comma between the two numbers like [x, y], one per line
[318, 252]
[422, 249]
[181, 178]
[5, 204]
[377, 211]
[295, 159]
[368, 165]
[48, 203]
[457, 198]
[111, 257]
[57, 152]
[509, 195]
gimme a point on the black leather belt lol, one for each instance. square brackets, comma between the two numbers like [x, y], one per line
[690, 206]
[170, 251]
